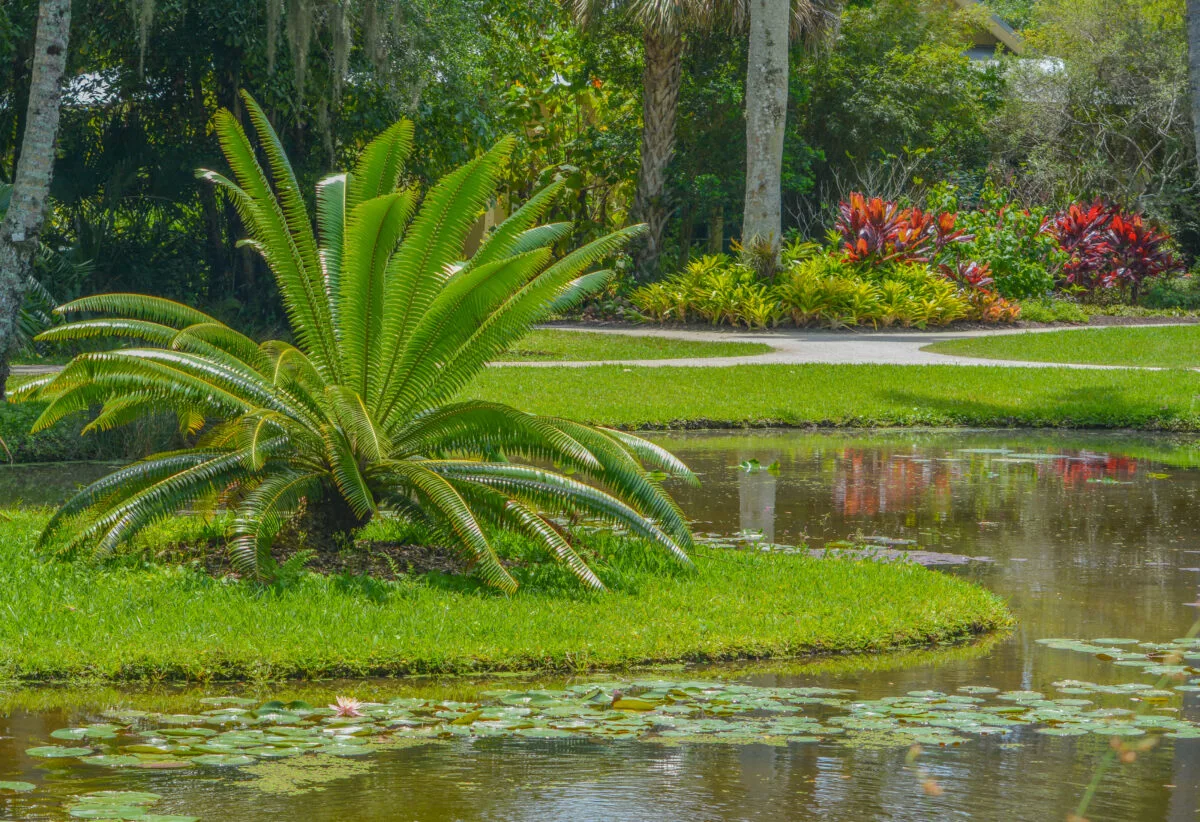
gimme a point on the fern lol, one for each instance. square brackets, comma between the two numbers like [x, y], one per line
[361, 415]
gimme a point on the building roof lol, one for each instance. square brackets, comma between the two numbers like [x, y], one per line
[992, 31]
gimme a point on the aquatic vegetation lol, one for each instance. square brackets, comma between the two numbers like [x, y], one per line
[347, 706]
[121, 805]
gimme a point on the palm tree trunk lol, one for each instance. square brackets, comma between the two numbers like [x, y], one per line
[660, 102]
[22, 224]
[766, 112]
[1193, 36]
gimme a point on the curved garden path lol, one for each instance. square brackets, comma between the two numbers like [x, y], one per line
[797, 346]
[791, 347]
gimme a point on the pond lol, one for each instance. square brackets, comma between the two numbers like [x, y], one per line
[1089, 536]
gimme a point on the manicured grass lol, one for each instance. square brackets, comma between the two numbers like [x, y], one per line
[142, 620]
[584, 346]
[1163, 347]
[851, 395]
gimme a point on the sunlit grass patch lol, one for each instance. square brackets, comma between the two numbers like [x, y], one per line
[1161, 347]
[582, 346]
[141, 619]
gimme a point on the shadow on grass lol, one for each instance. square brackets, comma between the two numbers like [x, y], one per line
[1097, 406]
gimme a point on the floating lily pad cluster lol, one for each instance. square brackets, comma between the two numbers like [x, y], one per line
[121, 805]
[1173, 659]
[236, 732]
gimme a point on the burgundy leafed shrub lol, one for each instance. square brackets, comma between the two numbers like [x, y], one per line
[876, 231]
[1110, 248]
[1139, 252]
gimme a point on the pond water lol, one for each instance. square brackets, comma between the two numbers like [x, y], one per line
[1087, 535]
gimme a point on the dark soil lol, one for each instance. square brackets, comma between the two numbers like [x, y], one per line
[381, 560]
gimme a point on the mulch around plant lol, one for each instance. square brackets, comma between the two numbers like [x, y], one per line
[381, 560]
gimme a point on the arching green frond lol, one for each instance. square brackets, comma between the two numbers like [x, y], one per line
[480, 425]
[343, 464]
[374, 228]
[355, 420]
[151, 332]
[331, 228]
[379, 167]
[554, 492]
[122, 484]
[466, 300]
[263, 512]
[445, 508]
[542, 236]
[509, 233]
[513, 319]
[578, 290]
[434, 241]
[138, 307]
[292, 258]
[656, 455]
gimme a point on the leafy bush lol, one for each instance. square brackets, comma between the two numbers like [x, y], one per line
[1174, 293]
[1050, 310]
[878, 232]
[1108, 248]
[827, 291]
[813, 289]
[359, 417]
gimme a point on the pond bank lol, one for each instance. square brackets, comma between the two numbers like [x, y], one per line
[145, 621]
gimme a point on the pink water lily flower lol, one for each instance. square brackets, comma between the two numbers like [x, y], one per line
[346, 706]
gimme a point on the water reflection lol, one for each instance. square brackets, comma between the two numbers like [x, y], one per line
[1087, 536]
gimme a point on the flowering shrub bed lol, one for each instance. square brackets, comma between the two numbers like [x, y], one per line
[889, 265]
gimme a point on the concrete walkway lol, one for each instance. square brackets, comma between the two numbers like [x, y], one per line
[794, 347]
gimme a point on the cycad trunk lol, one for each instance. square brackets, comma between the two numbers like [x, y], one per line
[766, 113]
[22, 224]
[660, 102]
[1193, 35]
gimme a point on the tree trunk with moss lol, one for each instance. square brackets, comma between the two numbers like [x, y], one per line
[766, 113]
[661, 77]
[22, 226]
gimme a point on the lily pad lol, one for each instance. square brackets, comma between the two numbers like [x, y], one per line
[56, 752]
[17, 787]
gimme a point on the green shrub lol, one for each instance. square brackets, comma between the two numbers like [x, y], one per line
[1023, 259]
[1177, 292]
[1052, 311]
[813, 288]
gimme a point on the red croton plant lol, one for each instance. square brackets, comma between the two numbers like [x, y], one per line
[1111, 248]
[877, 232]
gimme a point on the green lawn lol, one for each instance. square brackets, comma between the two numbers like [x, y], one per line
[1164, 347]
[550, 344]
[146, 620]
[851, 395]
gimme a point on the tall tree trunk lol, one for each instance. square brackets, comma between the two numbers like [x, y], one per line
[1193, 36]
[766, 111]
[22, 224]
[660, 102]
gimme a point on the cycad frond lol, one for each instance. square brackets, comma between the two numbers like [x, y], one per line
[358, 416]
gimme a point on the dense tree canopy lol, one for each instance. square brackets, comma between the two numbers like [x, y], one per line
[890, 106]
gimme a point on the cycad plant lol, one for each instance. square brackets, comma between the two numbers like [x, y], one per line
[361, 415]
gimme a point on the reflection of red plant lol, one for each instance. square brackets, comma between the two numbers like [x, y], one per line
[878, 231]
